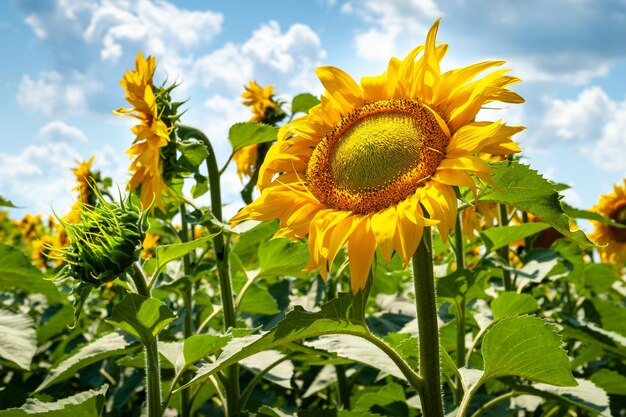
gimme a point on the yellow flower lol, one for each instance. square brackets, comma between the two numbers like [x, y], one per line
[476, 218]
[152, 134]
[30, 226]
[362, 166]
[149, 244]
[613, 206]
[265, 110]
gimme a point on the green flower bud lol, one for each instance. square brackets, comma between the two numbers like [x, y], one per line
[106, 243]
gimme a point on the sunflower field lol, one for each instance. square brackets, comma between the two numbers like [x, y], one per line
[395, 257]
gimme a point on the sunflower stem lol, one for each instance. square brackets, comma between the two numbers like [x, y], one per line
[426, 308]
[504, 251]
[460, 305]
[221, 256]
[343, 388]
[188, 300]
[153, 369]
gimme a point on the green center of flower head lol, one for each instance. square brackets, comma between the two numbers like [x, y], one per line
[620, 215]
[377, 155]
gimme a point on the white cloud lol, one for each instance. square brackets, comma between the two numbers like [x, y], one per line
[53, 93]
[596, 123]
[392, 22]
[286, 59]
[39, 176]
[59, 131]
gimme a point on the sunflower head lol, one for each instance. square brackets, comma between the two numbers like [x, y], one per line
[612, 206]
[377, 161]
[105, 243]
[153, 150]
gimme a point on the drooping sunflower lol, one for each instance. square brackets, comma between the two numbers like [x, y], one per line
[612, 206]
[265, 109]
[152, 133]
[376, 162]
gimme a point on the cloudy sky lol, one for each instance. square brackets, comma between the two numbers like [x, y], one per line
[62, 61]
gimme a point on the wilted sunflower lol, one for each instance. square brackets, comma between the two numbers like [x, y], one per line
[152, 133]
[265, 109]
[613, 206]
[362, 166]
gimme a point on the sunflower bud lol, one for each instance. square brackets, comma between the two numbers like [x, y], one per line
[105, 243]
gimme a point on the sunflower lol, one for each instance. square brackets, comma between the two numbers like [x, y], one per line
[612, 206]
[478, 217]
[265, 109]
[83, 175]
[376, 162]
[149, 245]
[152, 133]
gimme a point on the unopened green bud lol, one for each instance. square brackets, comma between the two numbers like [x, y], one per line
[106, 243]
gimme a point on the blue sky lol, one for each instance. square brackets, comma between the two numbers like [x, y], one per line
[62, 61]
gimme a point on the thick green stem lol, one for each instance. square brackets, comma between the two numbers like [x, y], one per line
[504, 251]
[188, 300]
[460, 306]
[426, 308]
[153, 369]
[343, 389]
[221, 256]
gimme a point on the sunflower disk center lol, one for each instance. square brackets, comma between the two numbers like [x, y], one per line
[619, 216]
[376, 156]
[374, 151]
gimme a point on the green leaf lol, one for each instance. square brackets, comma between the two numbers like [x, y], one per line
[282, 257]
[257, 300]
[610, 381]
[302, 103]
[511, 304]
[280, 374]
[168, 253]
[140, 316]
[6, 203]
[85, 404]
[17, 271]
[519, 186]
[80, 292]
[380, 396]
[248, 133]
[18, 341]
[200, 345]
[109, 345]
[54, 322]
[192, 153]
[585, 396]
[343, 314]
[201, 186]
[528, 347]
[612, 316]
[497, 237]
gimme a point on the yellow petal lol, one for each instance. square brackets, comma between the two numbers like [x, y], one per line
[361, 249]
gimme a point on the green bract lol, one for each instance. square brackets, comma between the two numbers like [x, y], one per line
[106, 243]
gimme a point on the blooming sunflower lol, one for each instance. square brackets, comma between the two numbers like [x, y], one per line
[152, 133]
[376, 162]
[613, 206]
[265, 109]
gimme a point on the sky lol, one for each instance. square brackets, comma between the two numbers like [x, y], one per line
[62, 61]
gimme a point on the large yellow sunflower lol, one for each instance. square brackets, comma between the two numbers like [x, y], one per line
[152, 134]
[264, 110]
[363, 166]
[613, 206]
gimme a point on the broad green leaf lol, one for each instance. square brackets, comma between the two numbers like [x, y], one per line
[280, 374]
[343, 315]
[511, 304]
[249, 133]
[282, 257]
[85, 404]
[257, 300]
[612, 316]
[18, 341]
[109, 345]
[54, 321]
[201, 186]
[266, 411]
[585, 396]
[17, 271]
[6, 203]
[302, 103]
[357, 349]
[610, 381]
[519, 186]
[379, 396]
[140, 316]
[497, 237]
[198, 346]
[249, 242]
[528, 347]
[192, 153]
[167, 253]
[593, 334]
[453, 286]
